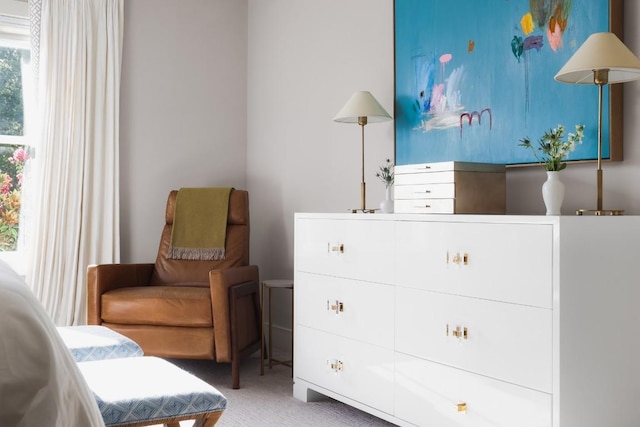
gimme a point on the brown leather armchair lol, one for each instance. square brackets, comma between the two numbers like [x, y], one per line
[183, 308]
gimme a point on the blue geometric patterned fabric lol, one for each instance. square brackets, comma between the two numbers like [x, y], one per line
[147, 388]
[93, 342]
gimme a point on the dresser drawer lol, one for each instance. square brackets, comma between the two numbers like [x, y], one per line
[350, 308]
[356, 370]
[424, 191]
[356, 249]
[505, 262]
[430, 394]
[506, 341]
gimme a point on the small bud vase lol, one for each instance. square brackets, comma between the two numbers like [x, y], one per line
[386, 206]
[553, 193]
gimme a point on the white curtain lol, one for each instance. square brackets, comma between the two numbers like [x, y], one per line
[77, 55]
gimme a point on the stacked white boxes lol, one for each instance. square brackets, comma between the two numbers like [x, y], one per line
[450, 187]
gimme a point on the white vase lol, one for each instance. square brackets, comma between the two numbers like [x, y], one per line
[386, 206]
[553, 193]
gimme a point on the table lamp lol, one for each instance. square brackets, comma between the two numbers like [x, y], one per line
[362, 108]
[602, 59]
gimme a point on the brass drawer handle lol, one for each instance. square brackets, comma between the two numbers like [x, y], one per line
[338, 307]
[336, 248]
[336, 365]
[462, 407]
[460, 332]
[459, 259]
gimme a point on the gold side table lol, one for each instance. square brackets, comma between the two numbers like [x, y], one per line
[267, 287]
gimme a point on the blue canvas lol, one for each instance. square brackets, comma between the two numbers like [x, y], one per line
[473, 79]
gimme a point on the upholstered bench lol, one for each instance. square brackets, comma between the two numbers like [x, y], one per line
[142, 391]
[94, 342]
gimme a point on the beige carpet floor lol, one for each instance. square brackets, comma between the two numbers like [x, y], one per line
[264, 401]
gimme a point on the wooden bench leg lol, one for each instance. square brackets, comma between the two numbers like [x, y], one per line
[209, 421]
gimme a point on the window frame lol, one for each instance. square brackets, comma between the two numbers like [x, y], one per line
[14, 32]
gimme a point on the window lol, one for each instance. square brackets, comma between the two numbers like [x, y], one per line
[15, 150]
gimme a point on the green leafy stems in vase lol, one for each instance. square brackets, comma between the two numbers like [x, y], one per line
[386, 173]
[553, 148]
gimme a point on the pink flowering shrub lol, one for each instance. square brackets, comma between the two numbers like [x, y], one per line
[10, 200]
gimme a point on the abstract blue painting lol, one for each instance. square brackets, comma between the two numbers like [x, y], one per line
[472, 78]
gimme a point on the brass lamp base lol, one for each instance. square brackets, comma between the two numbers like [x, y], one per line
[363, 187]
[600, 212]
[362, 210]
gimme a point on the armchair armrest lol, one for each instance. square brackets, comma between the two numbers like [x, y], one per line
[220, 282]
[105, 277]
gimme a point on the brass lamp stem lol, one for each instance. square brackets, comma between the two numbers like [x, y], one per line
[599, 171]
[600, 78]
[362, 121]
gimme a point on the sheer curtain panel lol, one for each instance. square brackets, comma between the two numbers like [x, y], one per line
[76, 194]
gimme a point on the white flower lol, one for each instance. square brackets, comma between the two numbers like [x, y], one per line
[554, 149]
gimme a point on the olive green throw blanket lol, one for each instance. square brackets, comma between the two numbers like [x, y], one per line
[200, 224]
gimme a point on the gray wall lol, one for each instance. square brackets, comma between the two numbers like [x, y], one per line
[183, 108]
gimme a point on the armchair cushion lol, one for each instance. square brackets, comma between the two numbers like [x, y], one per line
[158, 305]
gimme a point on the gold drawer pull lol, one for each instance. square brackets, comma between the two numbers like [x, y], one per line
[336, 365]
[337, 248]
[459, 332]
[458, 258]
[462, 407]
[338, 307]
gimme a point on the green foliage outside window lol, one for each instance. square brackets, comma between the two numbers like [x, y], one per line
[11, 105]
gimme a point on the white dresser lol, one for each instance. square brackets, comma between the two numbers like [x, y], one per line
[470, 320]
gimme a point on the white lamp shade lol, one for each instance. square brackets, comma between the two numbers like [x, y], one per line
[362, 104]
[601, 51]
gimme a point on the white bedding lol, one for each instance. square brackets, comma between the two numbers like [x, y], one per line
[40, 383]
